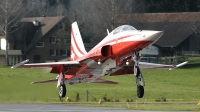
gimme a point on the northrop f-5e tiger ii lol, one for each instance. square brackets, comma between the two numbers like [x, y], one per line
[117, 54]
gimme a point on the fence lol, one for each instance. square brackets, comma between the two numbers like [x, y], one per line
[191, 56]
[166, 96]
[189, 53]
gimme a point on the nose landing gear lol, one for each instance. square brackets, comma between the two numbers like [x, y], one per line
[138, 75]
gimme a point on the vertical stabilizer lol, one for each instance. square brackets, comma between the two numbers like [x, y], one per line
[77, 46]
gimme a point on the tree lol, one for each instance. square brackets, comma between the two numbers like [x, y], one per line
[51, 8]
[11, 11]
[172, 6]
[64, 35]
[107, 10]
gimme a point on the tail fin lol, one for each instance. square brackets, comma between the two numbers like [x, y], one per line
[77, 47]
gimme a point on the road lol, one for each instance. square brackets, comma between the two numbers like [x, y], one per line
[61, 108]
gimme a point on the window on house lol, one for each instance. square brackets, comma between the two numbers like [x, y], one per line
[37, 58]
[60, 26]
[53, 52]
[53, 39]
[63, 52]
[68, 52]
[40, 44]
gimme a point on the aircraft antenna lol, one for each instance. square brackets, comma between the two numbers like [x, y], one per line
[108, 31]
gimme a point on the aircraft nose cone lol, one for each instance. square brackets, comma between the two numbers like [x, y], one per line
[155, 35]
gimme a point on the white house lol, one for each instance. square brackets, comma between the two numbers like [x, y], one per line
[14, 56]
[151, 50]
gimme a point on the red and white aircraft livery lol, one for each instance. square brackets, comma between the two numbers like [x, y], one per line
[116, 54]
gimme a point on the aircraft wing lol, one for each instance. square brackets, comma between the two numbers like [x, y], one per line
[45, 65]
[146, 65]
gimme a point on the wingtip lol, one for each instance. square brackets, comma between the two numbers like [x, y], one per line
[179, 65]
[19, 64]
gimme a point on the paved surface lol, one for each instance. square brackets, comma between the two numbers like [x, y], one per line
[60, 108]
[55, 108]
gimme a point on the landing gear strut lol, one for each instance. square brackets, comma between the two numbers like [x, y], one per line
[62, 88]
[138, 75]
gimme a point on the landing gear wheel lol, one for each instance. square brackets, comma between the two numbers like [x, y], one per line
[62, 91]
[140, 91]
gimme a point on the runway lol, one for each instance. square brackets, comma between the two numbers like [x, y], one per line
[62, 108]
[56, 108]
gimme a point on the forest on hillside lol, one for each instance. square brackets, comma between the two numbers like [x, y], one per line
[95, 16]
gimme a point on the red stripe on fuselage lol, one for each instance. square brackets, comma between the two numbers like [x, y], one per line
[118, 39]
[113, 40]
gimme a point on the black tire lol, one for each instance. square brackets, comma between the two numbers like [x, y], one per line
[140, 91]
[62, 91]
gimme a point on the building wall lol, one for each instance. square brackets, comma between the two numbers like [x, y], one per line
[42, 54]
[14, 57]
[194, 42]
[2, 60]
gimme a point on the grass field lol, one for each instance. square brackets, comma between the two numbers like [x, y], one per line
[179, 85]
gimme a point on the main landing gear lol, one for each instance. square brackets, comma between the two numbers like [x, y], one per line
[62, 88]
[62, 91]
[138, 75]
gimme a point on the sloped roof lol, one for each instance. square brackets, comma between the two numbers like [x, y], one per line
[46, 24]
[176, 26]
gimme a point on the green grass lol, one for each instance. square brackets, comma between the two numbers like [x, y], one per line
[179, 85]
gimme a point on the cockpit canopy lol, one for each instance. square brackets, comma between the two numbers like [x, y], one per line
[123, 28]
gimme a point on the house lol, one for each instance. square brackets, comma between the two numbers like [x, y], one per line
[179, 29]
[43, 39]
[41, 36]
[14, 56]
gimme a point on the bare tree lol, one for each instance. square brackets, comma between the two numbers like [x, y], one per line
[136, 6]
[63, 35]
[11, 11]
[98, 15]
[107, 10]
[47, 9]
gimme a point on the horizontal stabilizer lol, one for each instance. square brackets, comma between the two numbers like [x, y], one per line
[104, 81]
[45, 81]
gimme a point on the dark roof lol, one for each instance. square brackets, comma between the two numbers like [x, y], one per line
[176, 26]
[46, 24]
